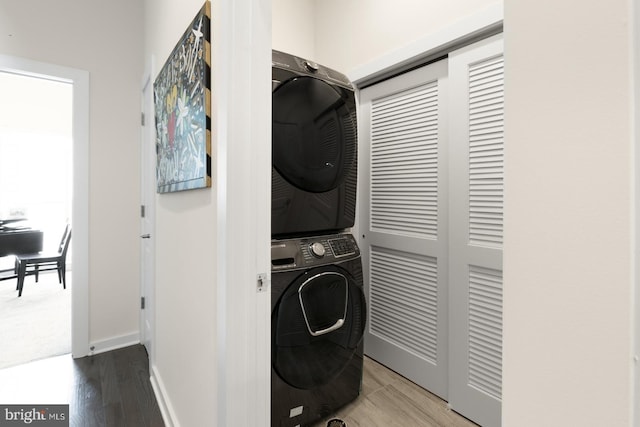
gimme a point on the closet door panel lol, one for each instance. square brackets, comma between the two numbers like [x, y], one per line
[476, 76]
[431, 216]
[404, 221]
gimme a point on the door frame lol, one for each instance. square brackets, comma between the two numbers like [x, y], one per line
[79, 79]
[147, 199]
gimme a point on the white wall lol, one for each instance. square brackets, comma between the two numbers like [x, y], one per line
[568, 260]
[185, 239]
[212, 327]
[80, 35]
[294, 27]
[352, 33]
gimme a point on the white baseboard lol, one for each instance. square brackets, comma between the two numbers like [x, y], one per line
[114, 343]
[168, 414]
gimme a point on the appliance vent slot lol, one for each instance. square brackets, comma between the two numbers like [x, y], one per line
[404, 300]
[486, 145]
[485, 330]
[404, 162]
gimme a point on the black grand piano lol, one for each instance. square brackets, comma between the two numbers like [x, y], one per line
[17, 240]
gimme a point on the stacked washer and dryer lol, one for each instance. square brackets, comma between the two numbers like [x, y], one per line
[318, 308]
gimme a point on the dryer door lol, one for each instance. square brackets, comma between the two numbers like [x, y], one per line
[316, 327]
[313, 133]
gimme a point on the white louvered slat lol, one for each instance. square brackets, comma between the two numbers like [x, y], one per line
[404, 162]
[404, 300]
[486, 143]
[485, 330]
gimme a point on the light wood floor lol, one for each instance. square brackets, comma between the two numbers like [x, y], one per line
[390, 400]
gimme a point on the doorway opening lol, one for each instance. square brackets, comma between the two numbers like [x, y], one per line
[36, 142]
[59, 134]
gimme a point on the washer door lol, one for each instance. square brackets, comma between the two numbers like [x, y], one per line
[313, 133]
[316, 327]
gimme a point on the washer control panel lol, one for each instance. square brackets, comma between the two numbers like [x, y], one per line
[342, 247]
[312, 251]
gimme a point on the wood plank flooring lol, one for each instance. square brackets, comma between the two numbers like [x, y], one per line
[113, 389]
[108, 389]
[390, 400]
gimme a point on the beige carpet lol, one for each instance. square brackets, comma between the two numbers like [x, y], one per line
[36, 325]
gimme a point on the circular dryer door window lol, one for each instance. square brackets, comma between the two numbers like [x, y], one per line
[316, 327]
[313, 134]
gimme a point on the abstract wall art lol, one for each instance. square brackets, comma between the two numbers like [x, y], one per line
[182, 98]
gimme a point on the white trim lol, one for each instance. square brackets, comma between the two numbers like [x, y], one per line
[114, 343]
[221, 52]
[80, 205]
[160, 391]
[635, 135]
[80, 255]
[242, 167]
[148, 131]
[486, 22]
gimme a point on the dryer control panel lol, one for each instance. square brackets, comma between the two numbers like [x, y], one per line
[291, 254]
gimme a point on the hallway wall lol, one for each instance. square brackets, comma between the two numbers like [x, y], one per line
[212, 329]
[185, 242]
[569, 206]
[81, 35]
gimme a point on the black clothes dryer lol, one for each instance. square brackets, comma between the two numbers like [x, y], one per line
[314, 148]
[318, 315]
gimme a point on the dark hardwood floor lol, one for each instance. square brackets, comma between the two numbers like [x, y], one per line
[108, 389]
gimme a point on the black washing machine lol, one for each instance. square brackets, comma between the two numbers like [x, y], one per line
[318, 315]
[314, 148]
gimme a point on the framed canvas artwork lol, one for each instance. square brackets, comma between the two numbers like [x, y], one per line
[182, 98]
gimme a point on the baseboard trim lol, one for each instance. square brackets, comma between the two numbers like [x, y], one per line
[113, 343]
[168, 414]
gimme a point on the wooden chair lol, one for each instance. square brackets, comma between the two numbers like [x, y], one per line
[33, 264]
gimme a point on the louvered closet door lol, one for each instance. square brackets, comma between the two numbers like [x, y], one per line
[404, 223]
[476, 180]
